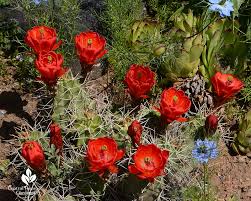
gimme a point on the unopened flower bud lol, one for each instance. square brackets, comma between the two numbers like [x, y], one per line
[159, 50]
[211, 124]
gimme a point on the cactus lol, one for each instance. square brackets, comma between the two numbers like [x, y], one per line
[74, 110]
[144, 38]
[242, 143]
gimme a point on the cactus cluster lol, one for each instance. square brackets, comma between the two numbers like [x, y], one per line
[242, 144]
[74, 110]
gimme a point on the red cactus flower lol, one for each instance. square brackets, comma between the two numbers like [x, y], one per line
[173, 104]
[42, 39]
[102, 153]
[211, 124]
[135, 131]
[149, 161]
[139, 80]
[50, 67]
[56, 137]
[34, 155]
[226, 85]
[90, 46]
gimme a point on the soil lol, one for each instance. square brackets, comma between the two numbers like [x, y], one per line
[17, 109]
[232, 176]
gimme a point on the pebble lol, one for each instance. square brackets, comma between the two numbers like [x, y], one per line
[2, 112]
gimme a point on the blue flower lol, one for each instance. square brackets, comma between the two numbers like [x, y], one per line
[37, 1]
[224, 9]
[215, 1]
[204, 150]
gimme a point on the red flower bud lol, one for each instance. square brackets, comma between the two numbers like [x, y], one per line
[149, 161]
[56, 138]
[50, 67]
[34, 155]
[42, 39]
[226, 85]
[102, 153]
[135, 131]
[173, 104]
[139, 80]
[90, 46]
[211, 124]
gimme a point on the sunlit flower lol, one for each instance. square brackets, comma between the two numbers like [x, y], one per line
[224, 9]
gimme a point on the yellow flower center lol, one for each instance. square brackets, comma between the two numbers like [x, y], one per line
[147, 160]
[49, 59]
[89, 42]
[41, 31]
[104, 148]
[175, 98]
[229, 80]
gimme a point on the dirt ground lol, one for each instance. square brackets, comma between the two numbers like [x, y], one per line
[232, 176]
[17, 108]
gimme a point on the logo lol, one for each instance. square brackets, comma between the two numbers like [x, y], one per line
[28, 178]
[27, 191]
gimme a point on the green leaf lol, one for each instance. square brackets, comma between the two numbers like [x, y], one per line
[4, 165]
[237, 5]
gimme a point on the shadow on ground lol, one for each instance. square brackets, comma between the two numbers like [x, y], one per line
[6, 195]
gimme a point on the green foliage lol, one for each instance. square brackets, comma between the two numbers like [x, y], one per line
[246, 91]
[4, 164]
[186, 56]
[9, 31]
[242, 144]
[144, 39]
[194, 193]
[4, 3]
[162, 9]
[221, 38]
[26, 72]
[119, 18]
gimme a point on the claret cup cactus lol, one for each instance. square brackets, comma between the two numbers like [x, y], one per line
[73, 110]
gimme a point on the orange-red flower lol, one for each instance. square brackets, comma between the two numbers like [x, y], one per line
[56, 137]
[139, 80]
[135, 131]
[226, 85]
[34, 155]
[90, 46]
[173, 104]
[102, 153]
[42, 39]
[149, 161]
[50, 67]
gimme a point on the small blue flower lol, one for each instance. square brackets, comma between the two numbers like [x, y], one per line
[224, 9]
[37, 1]
[215, 1]
[204, 150]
